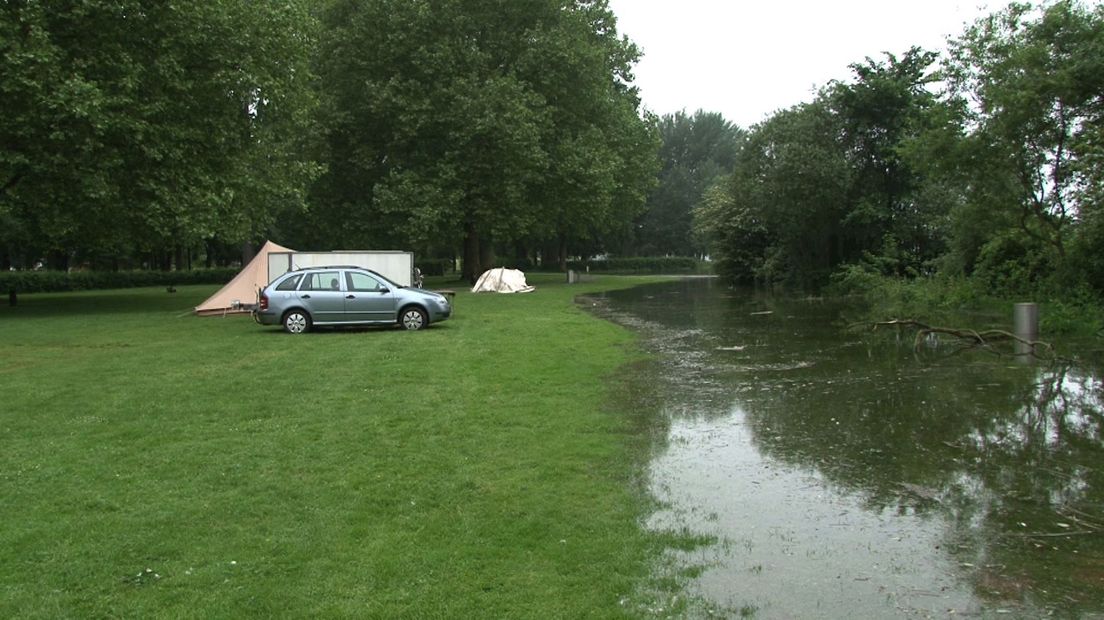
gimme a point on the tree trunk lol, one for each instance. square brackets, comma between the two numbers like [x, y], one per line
[247, 252]
[179, 259]
[471, 266]
[522, 259]
[561, 253]
[486, 255]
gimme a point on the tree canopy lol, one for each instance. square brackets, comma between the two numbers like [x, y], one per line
[697, 150]
[132, 126]
[135, 130]
[822, 184]
[983, 164]
[479, 123]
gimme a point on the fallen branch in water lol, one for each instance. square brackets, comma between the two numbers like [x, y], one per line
[970, 336]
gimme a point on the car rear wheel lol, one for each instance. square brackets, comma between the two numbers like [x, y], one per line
[413, 318]
[297, 322]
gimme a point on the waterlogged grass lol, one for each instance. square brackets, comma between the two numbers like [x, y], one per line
[1069, 315]
[156, 464]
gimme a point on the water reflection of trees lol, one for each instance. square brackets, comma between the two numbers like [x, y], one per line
[1045, 522]
[1011, 456]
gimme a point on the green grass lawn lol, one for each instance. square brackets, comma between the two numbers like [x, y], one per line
[153, 463]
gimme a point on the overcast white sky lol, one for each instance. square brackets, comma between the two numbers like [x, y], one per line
[747, 59]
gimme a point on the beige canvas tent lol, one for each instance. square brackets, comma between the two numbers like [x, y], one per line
[501, 280]
[241, 293]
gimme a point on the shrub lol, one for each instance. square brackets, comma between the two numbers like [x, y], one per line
[1010, 265]
[937, 298]
[1078, 310]
[60, 281]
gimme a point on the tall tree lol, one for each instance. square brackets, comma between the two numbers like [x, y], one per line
[889, 212]
[787, 198]
[1028, 85]
[132, 125]
[997, 177]
[476, 122]
[696, 151]
[825, 184]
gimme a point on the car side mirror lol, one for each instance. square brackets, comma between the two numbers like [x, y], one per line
[384, 291]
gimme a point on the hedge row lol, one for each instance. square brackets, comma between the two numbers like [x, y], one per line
[643, 264]
[658, 265]
[57, 281]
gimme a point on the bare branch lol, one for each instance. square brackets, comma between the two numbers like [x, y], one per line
[972, 337]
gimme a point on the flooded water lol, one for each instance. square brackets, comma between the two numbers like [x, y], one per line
[844, 474]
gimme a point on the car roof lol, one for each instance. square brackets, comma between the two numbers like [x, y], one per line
[303, 270]
[313, 267]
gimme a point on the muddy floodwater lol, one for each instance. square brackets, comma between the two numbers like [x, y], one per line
[835, 473]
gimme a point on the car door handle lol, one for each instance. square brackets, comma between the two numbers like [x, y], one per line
[304, 297]
[350, 297]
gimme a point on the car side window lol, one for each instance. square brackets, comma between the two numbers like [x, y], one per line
[322, 281]
[362, 282]
[290, 284]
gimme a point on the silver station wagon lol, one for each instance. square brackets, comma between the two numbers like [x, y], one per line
[337, 296]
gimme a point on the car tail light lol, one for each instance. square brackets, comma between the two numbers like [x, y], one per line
[264, 302]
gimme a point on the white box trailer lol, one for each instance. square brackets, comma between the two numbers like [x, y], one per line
[395, 265]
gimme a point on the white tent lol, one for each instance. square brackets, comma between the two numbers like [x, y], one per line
[501, 280]
[240, 294]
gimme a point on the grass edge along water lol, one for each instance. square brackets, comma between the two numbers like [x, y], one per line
[163, 465]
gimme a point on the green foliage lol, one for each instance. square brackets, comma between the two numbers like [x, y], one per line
[1086, 255]
[795, 226]
[936, 299]
[435, 267]
[1026, 83]
[1077, 311]
[993, 182]
[696, 151]
[56, 281]
[130, 126]
[945, 300]
[478, 122]
[887, 104]
[1011, 264]
[740, 238]
[824, 184]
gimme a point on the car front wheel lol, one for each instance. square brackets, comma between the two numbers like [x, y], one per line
[413, 318]
[297, 322]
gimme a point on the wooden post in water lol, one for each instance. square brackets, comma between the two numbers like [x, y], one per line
[1025, 324]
